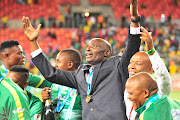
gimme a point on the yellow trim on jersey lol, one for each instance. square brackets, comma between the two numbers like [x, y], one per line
[25, 92]
[16, 99]
[39, 83]
[141, 117]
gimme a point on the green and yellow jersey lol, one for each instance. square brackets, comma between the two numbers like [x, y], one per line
[72, 108]
[36, 106]
[14, 103]
[163, 108]
[34, 80]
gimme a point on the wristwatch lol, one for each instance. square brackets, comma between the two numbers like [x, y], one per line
[136, 20]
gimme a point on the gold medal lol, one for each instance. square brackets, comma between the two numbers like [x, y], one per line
[88, 98]
[58, 115]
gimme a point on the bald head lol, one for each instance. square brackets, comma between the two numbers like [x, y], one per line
[105, 43]
[143, 80]
[98, 50]
[140, 87]
[140, 62]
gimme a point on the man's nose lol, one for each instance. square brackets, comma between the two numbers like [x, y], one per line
[23, 56]
[128, 96]
[88, 48]
[131, 66]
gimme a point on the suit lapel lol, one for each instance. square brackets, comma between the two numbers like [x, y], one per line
[85, 70]
[95, 74]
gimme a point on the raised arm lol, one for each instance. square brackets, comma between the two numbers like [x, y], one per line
[31, 33]
[49, 72]
[134, 13]
[133, 43]
[162, 74]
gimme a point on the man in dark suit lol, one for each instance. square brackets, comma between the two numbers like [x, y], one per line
[101, 83]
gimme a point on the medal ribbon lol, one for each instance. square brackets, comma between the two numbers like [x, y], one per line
[60, 106]
[89, 82]
[153, 99]
[68, 114]
[1, 78]
[5, 69]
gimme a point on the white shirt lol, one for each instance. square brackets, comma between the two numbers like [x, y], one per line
[163, 81]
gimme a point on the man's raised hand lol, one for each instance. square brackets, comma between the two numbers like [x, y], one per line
[29, 31]
[147, 37]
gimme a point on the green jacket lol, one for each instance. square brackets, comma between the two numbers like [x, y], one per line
[161, 109]
[74, 101]
[34, 81]
[14, 103]
[35, 104]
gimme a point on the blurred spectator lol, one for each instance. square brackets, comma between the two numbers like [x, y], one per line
[172, 67]
[77, 20]
[169, 19]
[29, 2]
[22, 2]
[42, 22]
[61, 20]
[163, 19]
[50, 20]
[142, 22]
[4, 21]
[36, 1]
[68, 18]
[100, 21]
[175, 2]
[52, 33]
[93, 21]
[123, 21]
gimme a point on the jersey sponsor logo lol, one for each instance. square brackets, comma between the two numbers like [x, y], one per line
[18, 110]
[175, 114]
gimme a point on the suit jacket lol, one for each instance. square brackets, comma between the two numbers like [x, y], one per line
[108, 83]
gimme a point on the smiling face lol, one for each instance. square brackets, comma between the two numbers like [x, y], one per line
[140, 62]
[135, 95]
[97, 51]
[140, 87]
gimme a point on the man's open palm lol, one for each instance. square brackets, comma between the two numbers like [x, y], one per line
[29, 31]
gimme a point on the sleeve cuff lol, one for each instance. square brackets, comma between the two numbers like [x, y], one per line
[153, 56]
[36, 53]
[134, 30]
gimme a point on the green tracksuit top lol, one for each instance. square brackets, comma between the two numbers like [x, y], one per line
[36, 106]
[163, 108]
[72, 109]
[34, 81]
[14, 103]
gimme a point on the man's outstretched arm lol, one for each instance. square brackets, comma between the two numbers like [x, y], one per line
[49, 72]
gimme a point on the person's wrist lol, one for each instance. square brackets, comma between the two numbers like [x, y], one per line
[151, 52]
[135, 19]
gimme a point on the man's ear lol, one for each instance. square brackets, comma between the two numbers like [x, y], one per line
[107, 53]
[25, 84]
[4, 55]
[151, 70]
[70, 64]
[146, 93]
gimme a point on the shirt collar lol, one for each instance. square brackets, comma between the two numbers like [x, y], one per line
[141, 109]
